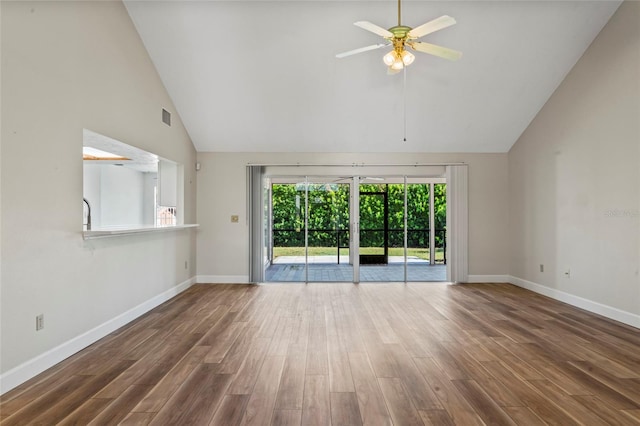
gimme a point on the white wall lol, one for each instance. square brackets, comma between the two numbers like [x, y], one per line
[122, 192]
[67, 66]
[119, 196]
[223, 246]
[148, 203]
[575, 182]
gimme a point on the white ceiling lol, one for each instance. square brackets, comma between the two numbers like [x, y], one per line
[260, 76]
[137, 159]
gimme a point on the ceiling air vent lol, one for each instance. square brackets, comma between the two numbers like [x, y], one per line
[166, 117]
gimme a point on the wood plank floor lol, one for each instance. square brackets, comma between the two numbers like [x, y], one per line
[345, 354]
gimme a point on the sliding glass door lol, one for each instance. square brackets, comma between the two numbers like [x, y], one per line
[355, 229]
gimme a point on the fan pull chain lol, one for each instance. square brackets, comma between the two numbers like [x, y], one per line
[404, 101]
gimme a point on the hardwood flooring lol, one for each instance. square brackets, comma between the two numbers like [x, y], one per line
[345, 354]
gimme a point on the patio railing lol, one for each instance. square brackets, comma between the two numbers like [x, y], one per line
[339, 238]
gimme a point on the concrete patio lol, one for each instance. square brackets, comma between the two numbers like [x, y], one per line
[326, 269]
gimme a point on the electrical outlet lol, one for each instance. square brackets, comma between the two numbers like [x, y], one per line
[39, 322]
[541, 267]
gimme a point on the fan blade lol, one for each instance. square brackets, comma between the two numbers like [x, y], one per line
[432, 26]
[365, 25]
[360, 50]
[432, 49]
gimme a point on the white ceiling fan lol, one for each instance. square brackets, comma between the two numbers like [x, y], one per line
[402, 36]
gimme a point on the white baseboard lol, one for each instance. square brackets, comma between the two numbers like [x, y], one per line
[37, 365]
[488, 279]
[222, 279]
[579, 302]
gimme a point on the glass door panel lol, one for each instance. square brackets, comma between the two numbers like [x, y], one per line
[418, 232]
[328, 231]
[287, 253]
[440, 223]
[395, 198]
[426, 219]
[374, 235]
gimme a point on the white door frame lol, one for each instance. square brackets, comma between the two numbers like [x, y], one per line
[354, 232]
[457, 215]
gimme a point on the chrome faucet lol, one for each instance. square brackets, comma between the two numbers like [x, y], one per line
[88, 215]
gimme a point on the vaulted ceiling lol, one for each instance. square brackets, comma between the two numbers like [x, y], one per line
[260, 76]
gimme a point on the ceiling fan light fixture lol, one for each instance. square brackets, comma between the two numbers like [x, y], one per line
[398, 60]
[397, 64]
[390, 58]
[407, 57]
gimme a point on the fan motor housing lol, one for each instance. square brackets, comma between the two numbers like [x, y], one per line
[400, 31]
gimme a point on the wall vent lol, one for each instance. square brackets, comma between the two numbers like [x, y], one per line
[166, 117]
